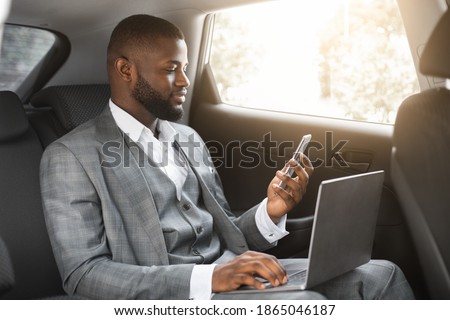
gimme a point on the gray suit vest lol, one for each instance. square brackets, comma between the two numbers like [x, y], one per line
[188, 228]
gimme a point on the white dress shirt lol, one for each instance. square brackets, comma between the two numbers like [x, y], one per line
[162, 152]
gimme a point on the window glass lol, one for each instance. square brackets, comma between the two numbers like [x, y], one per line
[22, 49]
[337, 58]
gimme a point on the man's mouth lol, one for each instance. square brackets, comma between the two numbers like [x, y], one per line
[180, 96]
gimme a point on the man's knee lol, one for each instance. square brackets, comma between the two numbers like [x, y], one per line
[378, 279]
[387, 281]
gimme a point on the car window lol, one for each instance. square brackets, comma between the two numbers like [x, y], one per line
[337, 58]
[22, 49]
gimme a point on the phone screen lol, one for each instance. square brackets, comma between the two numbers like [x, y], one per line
[300, 149]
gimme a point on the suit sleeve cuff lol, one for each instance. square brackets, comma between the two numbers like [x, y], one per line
[201, 282]
[270, 231]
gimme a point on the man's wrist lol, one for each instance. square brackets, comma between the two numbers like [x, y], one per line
[269, 230]
[201, 282]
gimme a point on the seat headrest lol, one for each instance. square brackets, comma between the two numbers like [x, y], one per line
[13, 120]
[435, 59]
[73, 104]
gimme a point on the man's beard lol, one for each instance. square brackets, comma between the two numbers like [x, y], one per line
[153, 101]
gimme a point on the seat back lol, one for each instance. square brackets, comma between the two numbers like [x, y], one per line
[59, 109]
[22, 224]
[6, 270]
[421, 167]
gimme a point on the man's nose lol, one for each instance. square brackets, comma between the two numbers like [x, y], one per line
[182, 80]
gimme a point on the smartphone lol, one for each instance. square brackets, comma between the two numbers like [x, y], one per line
[300, 149]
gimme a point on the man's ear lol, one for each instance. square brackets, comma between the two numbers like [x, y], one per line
[124, 68]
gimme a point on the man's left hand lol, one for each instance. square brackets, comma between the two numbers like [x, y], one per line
[281, 201]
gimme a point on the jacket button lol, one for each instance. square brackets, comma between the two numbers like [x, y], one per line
[186, 206]
[199, 229]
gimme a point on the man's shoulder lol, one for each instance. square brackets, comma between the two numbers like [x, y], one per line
[83, 135]
[185, 130]
[180, 127]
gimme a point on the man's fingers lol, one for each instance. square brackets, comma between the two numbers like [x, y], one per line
[248, 269]
[301, 170]
[307, 165]
[263, 271]
[294, 188]
[285, 194]
[246, 279]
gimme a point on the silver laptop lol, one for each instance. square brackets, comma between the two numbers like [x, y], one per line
[343, 231]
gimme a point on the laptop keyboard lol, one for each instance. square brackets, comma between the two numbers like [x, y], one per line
[298, 275]
[293, 276]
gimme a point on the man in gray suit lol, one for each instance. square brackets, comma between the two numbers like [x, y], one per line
[135, 209]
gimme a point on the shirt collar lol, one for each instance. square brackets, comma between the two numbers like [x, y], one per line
[134, 129]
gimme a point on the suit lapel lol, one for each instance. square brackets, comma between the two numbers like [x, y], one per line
[134, 183]
[230, 233]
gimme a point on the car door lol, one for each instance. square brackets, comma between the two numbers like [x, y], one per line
[252, 121]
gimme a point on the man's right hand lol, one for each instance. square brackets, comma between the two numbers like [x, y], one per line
[244, 269]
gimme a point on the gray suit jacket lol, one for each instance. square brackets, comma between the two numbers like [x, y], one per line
[102, 219]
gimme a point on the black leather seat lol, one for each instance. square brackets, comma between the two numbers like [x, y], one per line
[421, 165]
[22, 224]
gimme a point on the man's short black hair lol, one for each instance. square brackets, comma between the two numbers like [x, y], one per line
[140, 32]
